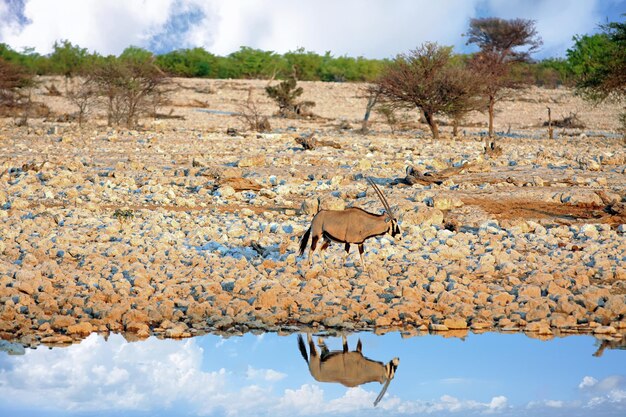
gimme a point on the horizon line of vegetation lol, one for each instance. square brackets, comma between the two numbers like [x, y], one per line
[250, 63]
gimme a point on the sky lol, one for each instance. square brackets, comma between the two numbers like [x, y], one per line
[369, 28]
[264, 375]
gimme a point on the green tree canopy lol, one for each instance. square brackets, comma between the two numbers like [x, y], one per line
[67, 59]
[136, 55]
[254, 63]
[195, 62]
[599, 62]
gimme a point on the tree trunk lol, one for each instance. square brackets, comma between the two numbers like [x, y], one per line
[550, 130]
[432, 123]
[492, 102]
[455, 127]
[371, 102]
[110, 112]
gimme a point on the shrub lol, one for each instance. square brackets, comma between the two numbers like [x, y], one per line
[285, 94]
[251, 116]
[15, 93]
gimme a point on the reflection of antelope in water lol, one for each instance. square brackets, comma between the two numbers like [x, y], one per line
[345, 367]
[611, 344]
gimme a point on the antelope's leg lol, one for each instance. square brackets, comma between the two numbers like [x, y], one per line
[361, 255]
[311, 345]
[322, 346]
[345, 343]
[314, 240]
[359, 346]
[322, 249]
[363, 261]
[347, 248]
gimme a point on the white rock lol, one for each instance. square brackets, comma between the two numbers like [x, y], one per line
[590, 231]
[226, 191]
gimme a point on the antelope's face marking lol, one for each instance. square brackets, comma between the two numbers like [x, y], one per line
[391, 367]
[394, 229]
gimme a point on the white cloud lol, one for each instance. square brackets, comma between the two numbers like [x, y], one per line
[605, 392]
[372, 28]
[306, 399]
[354, 27]
[451, 404]
[498, 403]
[105, 26]
[353, 400]
[98, 375]
[588, 381]
[554, 403]
[610, 383]
[269, 375]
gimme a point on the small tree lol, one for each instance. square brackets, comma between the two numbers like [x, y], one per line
[82, 93]
[250, 115]
[500, 41]
[285, 94]
[129, 85]
[427, 79]
[372, 93]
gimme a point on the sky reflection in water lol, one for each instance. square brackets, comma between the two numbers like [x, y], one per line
[510, 375]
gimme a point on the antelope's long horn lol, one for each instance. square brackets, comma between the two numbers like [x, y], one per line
[382, 392]
[381, 196]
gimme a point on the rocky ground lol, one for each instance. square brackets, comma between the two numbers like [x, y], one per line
[177, 228]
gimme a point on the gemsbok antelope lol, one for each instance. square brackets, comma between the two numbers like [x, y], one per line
[350, 226]
[345, 367]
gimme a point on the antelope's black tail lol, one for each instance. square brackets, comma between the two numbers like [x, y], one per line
[302, 348]
[304, 241]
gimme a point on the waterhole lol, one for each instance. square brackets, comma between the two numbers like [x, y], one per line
[268, 375]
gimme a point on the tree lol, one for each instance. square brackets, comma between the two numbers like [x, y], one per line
[426, 78]
[67, 59]
[82, 93]
[253, 63]
[305, 64]
[599, 64]
[502, 43]
[27, 59]
[137, 56]
[195, 62]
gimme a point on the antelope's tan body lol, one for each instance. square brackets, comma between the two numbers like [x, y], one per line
[352, 225]
[349, 368]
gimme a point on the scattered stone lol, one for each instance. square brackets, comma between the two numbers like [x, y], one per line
[81, 329]
[532, 240]
[332, 203]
